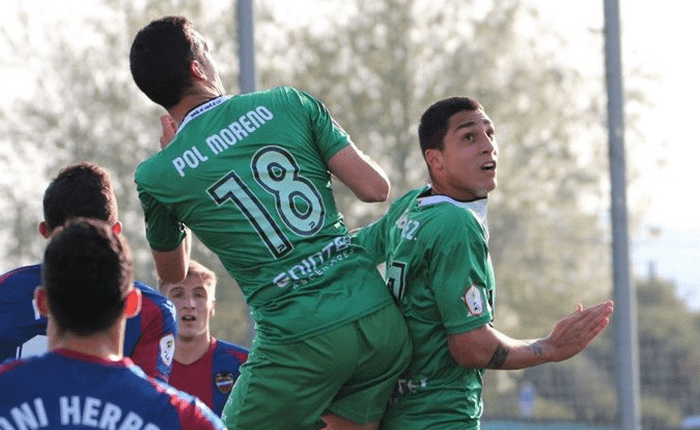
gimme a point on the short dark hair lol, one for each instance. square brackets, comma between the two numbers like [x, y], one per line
[434, 122]
[160, 58]
[80, 190]
[87, 272]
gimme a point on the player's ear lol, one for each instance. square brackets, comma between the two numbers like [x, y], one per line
[42, 303]
[44, 230]
[117, 227]
[197, 71]
[133, 303]
[213, 308]
[434, 158]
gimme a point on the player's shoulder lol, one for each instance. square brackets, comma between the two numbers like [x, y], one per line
[225, 347]
[446, 208]
[150, 293]
[12, 365]
[280, 91]
[150, 171]
[23, 369]
[143, 172]
[406, 201]
[22, 276]
[410, 196]
[192, 411]
[162, 395]
[155, 300]
[228, 346]
[440, 211]
[289, 96]
[284, 90]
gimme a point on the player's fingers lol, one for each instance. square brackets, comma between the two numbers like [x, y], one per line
[596, 330]
[169, 128]
[582, 324]
[582, 320]
[599, 309]
[594, 315]
[167, 123]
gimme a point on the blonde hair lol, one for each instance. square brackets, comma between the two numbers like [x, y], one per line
[198, 271]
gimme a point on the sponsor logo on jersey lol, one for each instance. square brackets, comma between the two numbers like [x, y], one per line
[407, 386]
[224, 381]
[315, 265]
[474, 301]
[167, 349]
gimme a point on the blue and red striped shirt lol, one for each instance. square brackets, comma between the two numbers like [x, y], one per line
[212, 376]
[149, 339]
[67, 389]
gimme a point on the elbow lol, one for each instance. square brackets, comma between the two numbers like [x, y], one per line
[171, 266]
[467, 352]
[375, 194]
[171, 276]
[468, 362]
[463, 357]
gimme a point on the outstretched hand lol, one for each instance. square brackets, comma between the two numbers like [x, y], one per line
[167, 123]
[574, 332]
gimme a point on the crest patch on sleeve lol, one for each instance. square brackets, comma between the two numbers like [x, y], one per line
[474, 301]
[167, 349]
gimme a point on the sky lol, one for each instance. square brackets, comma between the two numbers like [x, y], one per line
[665, 36]
[661, 38]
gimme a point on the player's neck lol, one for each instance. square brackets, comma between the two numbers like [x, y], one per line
[191, 101]
[190, 349]
[106, 345]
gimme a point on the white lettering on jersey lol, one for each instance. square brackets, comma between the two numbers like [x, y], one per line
[225, 138]
[190, 158]
[239, 129]
[408, 227]
[77, 411]
[26, 417]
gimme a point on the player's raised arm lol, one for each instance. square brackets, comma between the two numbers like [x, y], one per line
[172, 265]
[360, 173]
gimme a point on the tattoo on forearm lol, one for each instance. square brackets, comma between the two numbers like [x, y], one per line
[498, 358]
[537, 349]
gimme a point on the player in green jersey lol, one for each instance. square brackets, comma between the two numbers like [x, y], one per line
[434, 241]
[250, 175]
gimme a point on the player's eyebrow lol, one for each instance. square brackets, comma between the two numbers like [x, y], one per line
[472, 123]
[177, 289]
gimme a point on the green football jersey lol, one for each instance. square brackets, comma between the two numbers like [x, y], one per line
[438, 268]
[247, 174]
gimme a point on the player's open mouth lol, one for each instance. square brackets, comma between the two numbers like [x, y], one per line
[491, 165]
[188, 318]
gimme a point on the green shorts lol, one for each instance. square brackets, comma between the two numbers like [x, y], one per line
[350, 371]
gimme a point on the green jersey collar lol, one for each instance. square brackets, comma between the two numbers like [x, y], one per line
[478, 207]
[202, 109]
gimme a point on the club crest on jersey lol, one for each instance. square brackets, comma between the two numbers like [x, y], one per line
[474, 301]
[167, 349]
[224, 381]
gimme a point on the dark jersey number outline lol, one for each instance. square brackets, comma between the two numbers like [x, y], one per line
[297, 201]
[396, 278]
